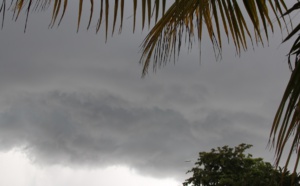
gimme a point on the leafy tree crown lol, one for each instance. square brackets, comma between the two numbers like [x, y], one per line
[226, 166]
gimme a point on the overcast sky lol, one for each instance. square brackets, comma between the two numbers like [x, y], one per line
[74, 110]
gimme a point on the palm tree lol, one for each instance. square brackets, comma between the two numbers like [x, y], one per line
[185, 20]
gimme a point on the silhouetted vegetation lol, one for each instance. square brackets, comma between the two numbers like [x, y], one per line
[226, 166]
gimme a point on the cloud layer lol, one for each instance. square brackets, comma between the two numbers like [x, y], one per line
[72, 100]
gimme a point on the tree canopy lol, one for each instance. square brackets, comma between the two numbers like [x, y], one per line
[226, 166]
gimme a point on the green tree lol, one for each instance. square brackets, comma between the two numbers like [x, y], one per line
[185, 21]
[227, 166]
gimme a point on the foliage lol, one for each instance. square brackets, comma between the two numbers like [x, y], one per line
[186, 20]
[287, 119]
[59, 9]
[176, 24]
[232, 167]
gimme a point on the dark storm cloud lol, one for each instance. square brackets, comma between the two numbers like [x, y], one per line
[72, 128]
[70, 99]
[100, 130]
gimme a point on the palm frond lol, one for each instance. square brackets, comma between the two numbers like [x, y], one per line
[286, 123]
[189, 18]
[59, 8]
[184, 18]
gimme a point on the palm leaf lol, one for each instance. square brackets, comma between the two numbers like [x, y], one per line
[172, 27]
[60, 8]
[185, 18]
[286, 123]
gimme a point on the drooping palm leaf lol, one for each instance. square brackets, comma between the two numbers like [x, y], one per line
[188, 18]
[183, 18]
[286, 125]
[59, 8]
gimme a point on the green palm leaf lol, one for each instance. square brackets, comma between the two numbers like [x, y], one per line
[189, 18]
[183, 17]
[287, 119]
[60, 6]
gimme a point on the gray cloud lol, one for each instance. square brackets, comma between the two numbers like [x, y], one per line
[103, 129]
[72, 128]
[70, 99]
